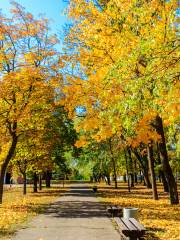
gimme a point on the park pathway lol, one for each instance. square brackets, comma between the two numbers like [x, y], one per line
[76, 216]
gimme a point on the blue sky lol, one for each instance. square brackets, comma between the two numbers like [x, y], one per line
[53, 9]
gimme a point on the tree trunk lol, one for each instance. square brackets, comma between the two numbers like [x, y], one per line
[40, 182]
[131, 167]
[124, 178]
[114, 166]
[173, 193]
[24, 184]
[48, 179]
[164, 181]
[135, 178]
[132, 179]
[127, 171]
[115, 174]
[151, 167]
[108, 179]
[35, 187]
[161, 173]
[144, 183]
[159, 177]
[144, 165]
[141, 177]
[2, 175]
[135, 171]
[146, 178]
[6, 162]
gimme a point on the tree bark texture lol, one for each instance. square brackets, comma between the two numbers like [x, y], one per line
[24, 184]
[127, 171]
[6, 162]
[131, 168]
[151, 167]
[35, 183]
[172, 186]
[48, 179]
[114, 166]
[144, 165]
[40, 182]
[161, 173]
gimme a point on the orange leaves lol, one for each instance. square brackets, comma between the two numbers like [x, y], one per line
[82, 142]
[17, 208]
[91, 124]
[27, 86]
[144, 135]
[104, 133]
[145, 132]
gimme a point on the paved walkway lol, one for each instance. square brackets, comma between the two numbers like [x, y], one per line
[75, 216]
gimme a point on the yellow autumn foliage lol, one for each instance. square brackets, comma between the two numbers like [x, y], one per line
[128, 52]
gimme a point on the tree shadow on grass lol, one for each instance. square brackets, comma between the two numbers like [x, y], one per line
[150, 233]
[134, 193]
[53, 193]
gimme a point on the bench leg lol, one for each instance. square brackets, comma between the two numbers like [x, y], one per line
[129, 238]
[132, 238]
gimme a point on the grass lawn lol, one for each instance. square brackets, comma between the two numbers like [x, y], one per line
[17, 209]
[160, 218]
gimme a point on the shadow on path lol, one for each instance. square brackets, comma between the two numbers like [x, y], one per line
[78, 203]
[75, 216]
[77, 209]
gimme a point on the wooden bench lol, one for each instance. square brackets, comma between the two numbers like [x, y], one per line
[130, 228]
[114, 211]
[94, 189]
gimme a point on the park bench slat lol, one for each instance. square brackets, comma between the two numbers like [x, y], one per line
[137, 224]
[130, 228]
[115, 208]
[122, 227]
[129, 224]
[114, 211]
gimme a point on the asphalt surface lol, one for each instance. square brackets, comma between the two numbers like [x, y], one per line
[76, 216]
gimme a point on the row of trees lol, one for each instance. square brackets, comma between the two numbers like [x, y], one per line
[123, 90]
[35, 131]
